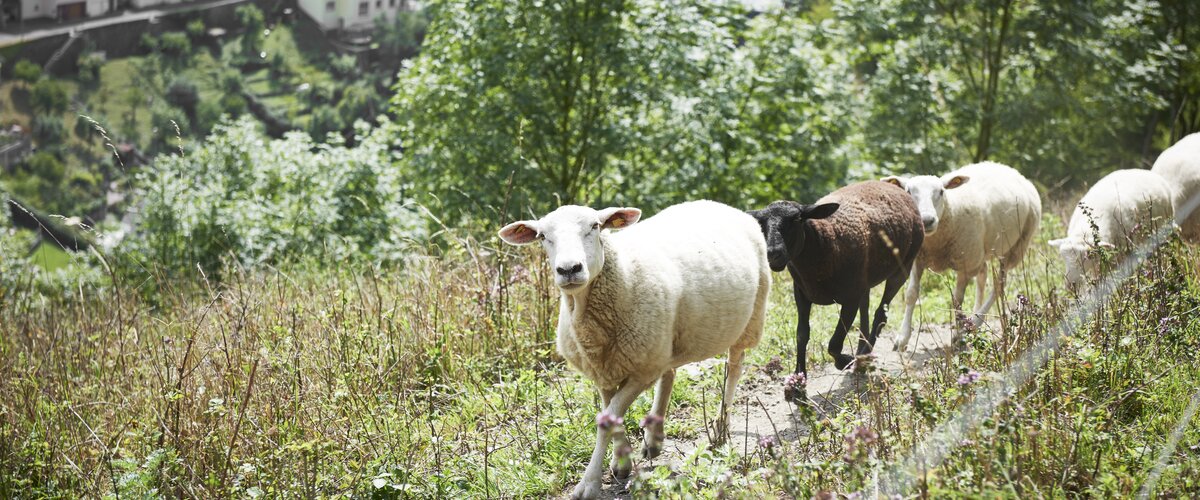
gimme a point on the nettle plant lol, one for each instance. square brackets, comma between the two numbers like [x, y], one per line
[243, 196]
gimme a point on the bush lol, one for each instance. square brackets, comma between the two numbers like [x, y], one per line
[259, 200]
[26, 71]
[196, 29]
[233, 104]
[208, 114]
[175, 45]
[48, 130]
[252, 21]
[182, 93]
[49, 97]
[45, 166]
[89, 67]
[323, 122]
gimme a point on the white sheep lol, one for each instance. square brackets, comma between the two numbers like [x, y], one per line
[972, 215]
[683, 286]
[1119, 211]
[1179, 165]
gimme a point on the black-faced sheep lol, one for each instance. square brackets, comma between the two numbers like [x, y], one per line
[836, 250]
[972, 215]
[685, 285]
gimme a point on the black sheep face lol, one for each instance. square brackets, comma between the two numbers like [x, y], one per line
[782, 224]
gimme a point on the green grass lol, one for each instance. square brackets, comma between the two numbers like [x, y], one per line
[50, 257]
[440, 380]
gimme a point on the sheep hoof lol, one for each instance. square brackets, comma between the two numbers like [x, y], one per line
[841, 361]
[795, 394]
[622, 471]
[900, 348]
[586, 490]
[651, 451]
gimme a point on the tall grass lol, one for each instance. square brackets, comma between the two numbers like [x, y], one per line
[439, 379]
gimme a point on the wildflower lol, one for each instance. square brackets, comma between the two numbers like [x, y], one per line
[967, 324]
[969, 377]
[795, 381]
[1023, 302]
[773, 367]
[651, 419]
[1166, 324]
[606, 420]
[857, 443]
[767, 442]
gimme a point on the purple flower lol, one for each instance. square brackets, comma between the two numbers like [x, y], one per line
[606, 420]
[767, 442]
[968, 378]
[651, 419]
[795, 381]
[1023, 301]
[1167, 324]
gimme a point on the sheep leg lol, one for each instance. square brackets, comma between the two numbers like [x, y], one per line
[997, 291]
[733, 372]
[619, 440]
[956, 299]
[889, 292]
[865, 342]
[803, 311]
[845, 321]
[654, 426]
[590, 485]
[910, 304]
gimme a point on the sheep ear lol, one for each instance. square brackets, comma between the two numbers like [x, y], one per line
[818, 211]
[520, 232]
[1057, 243]
[898, 181]
[619, 217]
[956, 181]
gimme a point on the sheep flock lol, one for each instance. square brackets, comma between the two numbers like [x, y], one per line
[640, 298]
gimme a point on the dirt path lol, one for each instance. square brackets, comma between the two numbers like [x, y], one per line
[770, 415]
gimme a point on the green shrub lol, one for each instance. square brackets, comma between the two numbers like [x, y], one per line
[48, 130]
[49, 97]
[26, 71]
[175, 45]
[244, 196]
[182, 93]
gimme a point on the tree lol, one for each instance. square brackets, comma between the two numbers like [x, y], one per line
[48, 130]
[1056, 89]
[49, 97]
[183, 94]
[175, 46]
[250, 17]
[26, 71]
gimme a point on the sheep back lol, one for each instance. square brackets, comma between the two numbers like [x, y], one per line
[994, 215]
[1118, 203]
[848, 254]
[1179, 165]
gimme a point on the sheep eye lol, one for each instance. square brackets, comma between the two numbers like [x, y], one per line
[595, 226]
[542, 237]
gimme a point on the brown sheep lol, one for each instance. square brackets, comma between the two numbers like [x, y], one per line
[836, 250]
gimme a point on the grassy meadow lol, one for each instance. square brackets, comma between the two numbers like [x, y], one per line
[439, 379]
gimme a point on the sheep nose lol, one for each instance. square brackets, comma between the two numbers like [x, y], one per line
[929, 222]
[567, 271]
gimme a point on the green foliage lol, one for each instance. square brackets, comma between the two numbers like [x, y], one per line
[49, 97]
[645, 103]
[1059, 90]
[196, 29]
[48, 131]
[401, 37]
[251, 19]
[89, 67]
[26, 71]
[184, 95]
[241, 196]
[175, 45]
[325, 121]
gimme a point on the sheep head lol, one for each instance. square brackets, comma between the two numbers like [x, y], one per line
[782, 224]
[571, 237]
[930, 194]
[1078, 258]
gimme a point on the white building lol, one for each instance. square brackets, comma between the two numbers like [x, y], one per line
[352, 14]
[64, 10]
